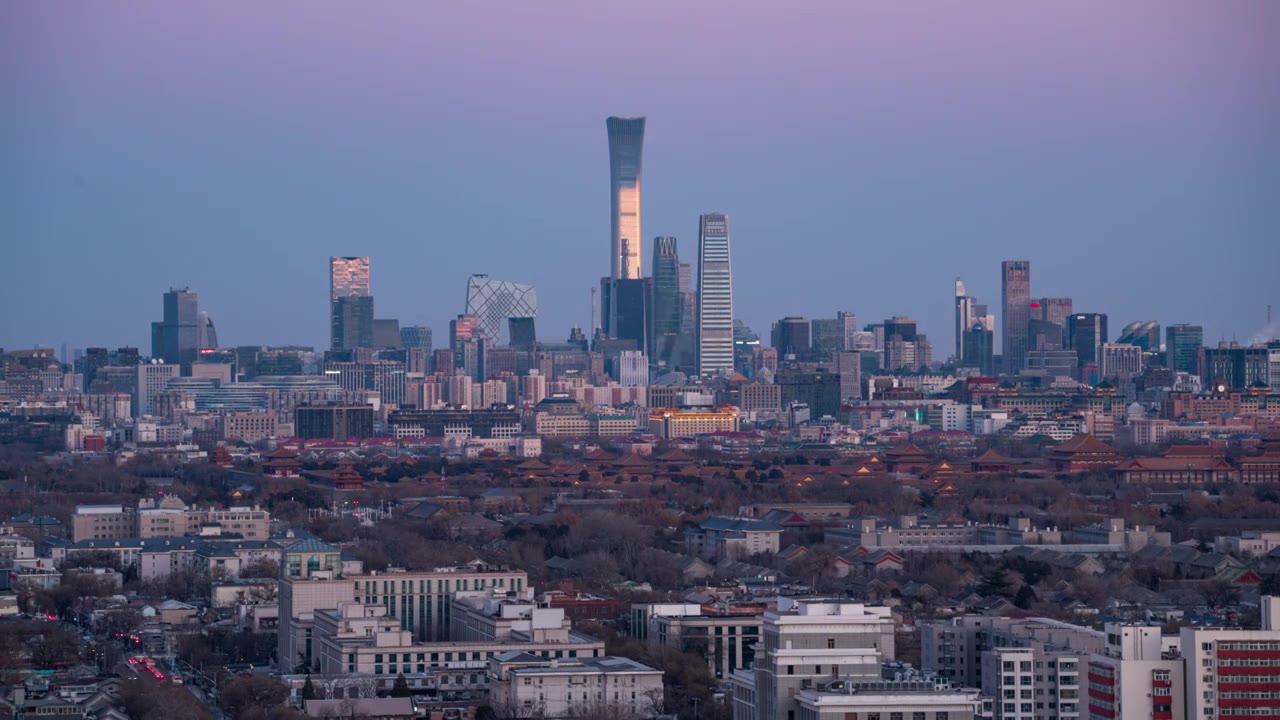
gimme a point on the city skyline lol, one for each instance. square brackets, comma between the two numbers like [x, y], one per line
[1099, 181]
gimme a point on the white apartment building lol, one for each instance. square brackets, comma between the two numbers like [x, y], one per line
[1039, 669]
[1233, 673]
[1138, 674]
[1031, 667]
[808, 642]
[524, 685]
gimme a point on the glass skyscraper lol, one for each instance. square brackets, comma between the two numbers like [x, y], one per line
[494, 302]
[350, 303]
[715, 295]
[626, 145]
[1015, 296]
[1182, 345]
[671, 344]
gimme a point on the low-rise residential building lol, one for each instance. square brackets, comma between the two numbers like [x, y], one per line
[102, 522]
[721, 538]
[1250, 543]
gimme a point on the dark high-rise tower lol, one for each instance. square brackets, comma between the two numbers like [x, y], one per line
[1015, 296]
[1182, 345]
[1086, 334]
[978, 349]
[350, 303]
[626, 145]
[176, 338]
[670, 345]
[790, 336]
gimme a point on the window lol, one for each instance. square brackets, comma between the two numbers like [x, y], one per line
[831, 643]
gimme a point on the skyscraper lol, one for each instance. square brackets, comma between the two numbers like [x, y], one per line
[670, 345]
[1015, 297]
[352, 323]
[826, 337]
[978, 349]
[416, 336]
[461, 332]
[1086, 334]
[715, 295]
[965, 313]
[626, 145]
[1182, 345]
[1143, 333]
[790, 337]
[349, 278]
[176, 338]
[493, 302]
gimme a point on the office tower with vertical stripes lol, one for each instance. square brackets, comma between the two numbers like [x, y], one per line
[626, 145]
[715, 295]
[1015, 296]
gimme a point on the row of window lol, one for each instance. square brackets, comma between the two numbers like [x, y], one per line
[1268, 679]
[1245, 645]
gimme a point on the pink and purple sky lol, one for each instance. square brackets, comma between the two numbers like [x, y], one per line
[866, 153]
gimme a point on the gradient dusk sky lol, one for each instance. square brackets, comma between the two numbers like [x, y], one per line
[866, 153]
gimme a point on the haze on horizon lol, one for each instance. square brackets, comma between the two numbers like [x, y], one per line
[866, 154]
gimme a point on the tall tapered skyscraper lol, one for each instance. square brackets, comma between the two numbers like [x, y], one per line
[350, 303]
[626, 146]
[1015, 296]
[715, 295]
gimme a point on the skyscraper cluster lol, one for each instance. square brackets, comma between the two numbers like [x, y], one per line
[661, 316]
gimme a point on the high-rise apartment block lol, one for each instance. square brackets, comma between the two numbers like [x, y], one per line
[715, 295]
[1015, 299]
[626, 149]
[1041, 669]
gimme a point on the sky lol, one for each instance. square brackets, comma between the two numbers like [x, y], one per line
[867, 154]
